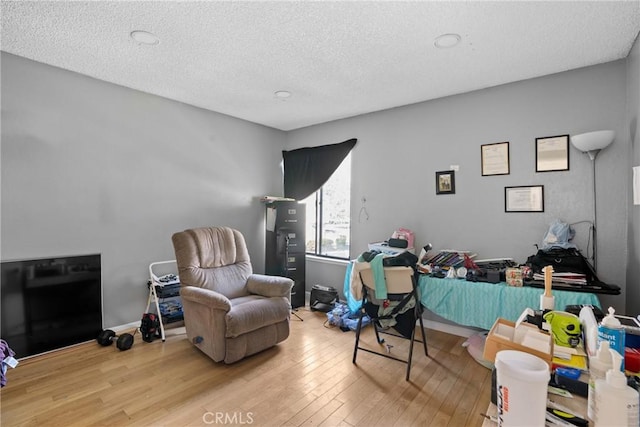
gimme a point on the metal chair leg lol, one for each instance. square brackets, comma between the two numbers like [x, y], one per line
[375, 328]
[358, 328]
[424, 338]
[413, 337]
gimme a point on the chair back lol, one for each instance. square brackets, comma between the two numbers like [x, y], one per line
[214, 258]
[399, 279]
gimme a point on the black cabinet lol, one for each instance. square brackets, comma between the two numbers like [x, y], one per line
[285, 245]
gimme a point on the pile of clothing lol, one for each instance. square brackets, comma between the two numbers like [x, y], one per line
[6, 361]
[342, 317]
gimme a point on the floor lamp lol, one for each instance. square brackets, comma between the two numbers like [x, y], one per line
[591, 143]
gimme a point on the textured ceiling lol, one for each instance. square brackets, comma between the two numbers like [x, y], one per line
[338, 59]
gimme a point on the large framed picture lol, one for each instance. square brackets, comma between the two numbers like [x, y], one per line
[524, 198]
[445, 182]
[495, 159]
[552, 153]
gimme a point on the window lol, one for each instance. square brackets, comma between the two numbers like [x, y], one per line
[329, 215]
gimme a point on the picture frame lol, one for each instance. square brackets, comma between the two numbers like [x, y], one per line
[495, 159]
[446, 182]
[552, 153]
[524, 198]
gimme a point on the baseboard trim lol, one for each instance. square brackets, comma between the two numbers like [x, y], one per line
[460, 331]
[127, 327]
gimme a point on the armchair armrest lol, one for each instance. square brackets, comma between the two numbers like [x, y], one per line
[269, 286]
[206, 297]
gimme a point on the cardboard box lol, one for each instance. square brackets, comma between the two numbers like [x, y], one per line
[501, 337]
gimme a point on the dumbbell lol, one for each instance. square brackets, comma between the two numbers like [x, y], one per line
[123, 342]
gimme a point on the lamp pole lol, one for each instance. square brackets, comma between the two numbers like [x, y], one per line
[591, 143]
[595, 213]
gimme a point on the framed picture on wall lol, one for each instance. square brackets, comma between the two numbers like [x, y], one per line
[445, 182]
[525, 198]
[552, 153]
[495, 158]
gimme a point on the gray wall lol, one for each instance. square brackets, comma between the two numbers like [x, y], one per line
[91, 167]
[633, 115]
[88, 166]
[399, 151]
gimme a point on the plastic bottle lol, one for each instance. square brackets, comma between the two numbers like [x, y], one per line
[611, 330]
[598, 367]
[617, 404]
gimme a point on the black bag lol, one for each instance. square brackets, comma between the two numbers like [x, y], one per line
[562, 260]
[404, 259]
[398, 243]
[568, 261]
[150, 327]
[323, 298]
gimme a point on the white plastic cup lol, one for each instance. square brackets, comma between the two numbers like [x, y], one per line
[521, 382]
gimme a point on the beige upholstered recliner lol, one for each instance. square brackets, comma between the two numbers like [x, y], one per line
[229, 312]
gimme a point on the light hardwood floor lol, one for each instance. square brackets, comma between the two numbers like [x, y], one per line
[307, 380]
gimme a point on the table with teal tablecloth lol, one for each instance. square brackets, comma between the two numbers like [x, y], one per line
[479, 304]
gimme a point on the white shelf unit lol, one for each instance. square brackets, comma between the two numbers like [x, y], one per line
[156, 281]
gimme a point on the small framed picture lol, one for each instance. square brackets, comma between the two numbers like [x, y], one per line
[524, 198]
[552, 153]
[495, 159]
[445, 182]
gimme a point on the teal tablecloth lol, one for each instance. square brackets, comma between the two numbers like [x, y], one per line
[479, 304]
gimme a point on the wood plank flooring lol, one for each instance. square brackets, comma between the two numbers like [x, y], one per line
[307, 380]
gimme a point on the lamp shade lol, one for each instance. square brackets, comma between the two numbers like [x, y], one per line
[592, 141]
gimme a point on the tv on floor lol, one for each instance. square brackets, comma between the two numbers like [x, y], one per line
[50, 303]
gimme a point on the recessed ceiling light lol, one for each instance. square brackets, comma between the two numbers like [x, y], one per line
[446, 41]
[283, 94]
[144, 37]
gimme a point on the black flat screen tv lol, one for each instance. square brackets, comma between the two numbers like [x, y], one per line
[50, 303]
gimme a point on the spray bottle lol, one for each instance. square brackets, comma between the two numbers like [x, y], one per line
[611, 330]
[599, 364]
[617, 404]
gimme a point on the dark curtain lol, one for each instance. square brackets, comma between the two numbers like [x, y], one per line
[307, 169]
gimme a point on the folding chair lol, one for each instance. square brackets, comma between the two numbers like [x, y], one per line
[401, 288]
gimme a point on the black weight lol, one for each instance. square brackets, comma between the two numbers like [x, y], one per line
[105, 338]
[125, 341]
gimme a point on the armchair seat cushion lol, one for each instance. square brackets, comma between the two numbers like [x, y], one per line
[254, 312]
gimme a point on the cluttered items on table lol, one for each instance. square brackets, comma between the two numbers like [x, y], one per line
[549, 336]
[571, 270]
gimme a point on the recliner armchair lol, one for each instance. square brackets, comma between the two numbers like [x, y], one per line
[229, 312]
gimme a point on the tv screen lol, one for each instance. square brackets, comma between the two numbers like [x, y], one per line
[50, 303]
